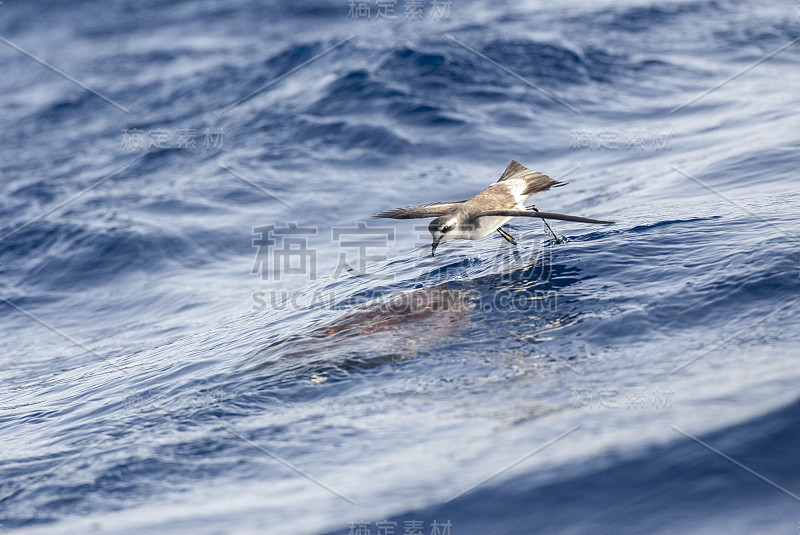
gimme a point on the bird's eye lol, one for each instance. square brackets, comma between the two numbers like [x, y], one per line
[446, 228]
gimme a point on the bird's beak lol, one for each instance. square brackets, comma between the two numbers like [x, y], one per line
[433, 248]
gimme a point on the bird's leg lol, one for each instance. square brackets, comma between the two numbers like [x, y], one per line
[507, 236]
[533, 207]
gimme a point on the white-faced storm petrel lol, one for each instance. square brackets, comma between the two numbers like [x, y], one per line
[488, 210]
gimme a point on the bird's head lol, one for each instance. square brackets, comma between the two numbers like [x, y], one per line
[441, 229]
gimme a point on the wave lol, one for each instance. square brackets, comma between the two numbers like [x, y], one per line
[682, 486]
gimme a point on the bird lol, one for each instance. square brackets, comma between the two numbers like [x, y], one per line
[488, 210]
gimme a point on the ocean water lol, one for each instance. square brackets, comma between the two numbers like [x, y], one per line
[203, 330]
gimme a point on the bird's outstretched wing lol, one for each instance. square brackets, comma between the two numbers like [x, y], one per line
[534, 181]
[434, 209]
[542, 215]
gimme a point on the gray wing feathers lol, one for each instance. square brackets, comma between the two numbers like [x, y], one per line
[536, 182]
[434, 209]
[512, 170]
[542, 215]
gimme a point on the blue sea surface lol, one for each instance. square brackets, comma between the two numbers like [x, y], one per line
[203, 330]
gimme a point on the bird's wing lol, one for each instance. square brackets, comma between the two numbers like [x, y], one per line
[534, 181]
[514, 170]
[542, 215]
[434, 209]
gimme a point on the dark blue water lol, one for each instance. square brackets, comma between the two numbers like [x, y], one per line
[198, 337]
